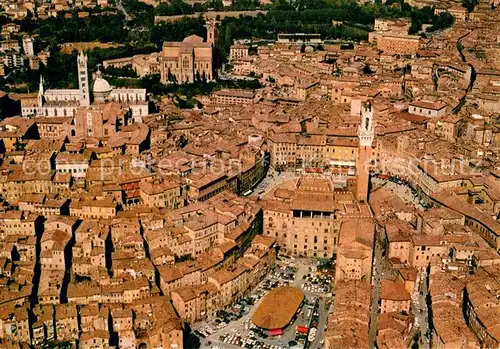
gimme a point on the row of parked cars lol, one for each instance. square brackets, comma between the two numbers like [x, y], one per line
[284, 273]
[235, 313]
[316, 283]
[205, 331]
[246, 342]
[314, 313]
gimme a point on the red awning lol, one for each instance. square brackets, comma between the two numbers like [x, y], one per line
[276, 332]
[302, 329]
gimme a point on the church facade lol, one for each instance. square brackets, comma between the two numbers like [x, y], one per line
[65, 102]
[186, 61]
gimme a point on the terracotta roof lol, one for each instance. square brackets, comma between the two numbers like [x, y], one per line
[278, 307]
[267, 241]
[392, 290]
[170, 273]
[428, 105]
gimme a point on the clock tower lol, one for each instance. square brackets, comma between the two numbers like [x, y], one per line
[366, 135]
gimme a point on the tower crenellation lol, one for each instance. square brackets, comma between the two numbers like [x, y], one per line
[366, 131]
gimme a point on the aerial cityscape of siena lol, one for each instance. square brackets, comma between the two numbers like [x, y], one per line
[258, 174]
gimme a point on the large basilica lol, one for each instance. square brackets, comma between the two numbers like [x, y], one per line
[64, 102]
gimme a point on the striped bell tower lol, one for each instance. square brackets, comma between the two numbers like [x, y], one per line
[83, 79]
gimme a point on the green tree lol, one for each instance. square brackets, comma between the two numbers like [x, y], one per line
[415, 27]
[125, 71]
[469, 4]
[441, 21]
[282, 5]
[177, 31]
[142, 14]
[240, 5]
[175, 7]
[215, 4]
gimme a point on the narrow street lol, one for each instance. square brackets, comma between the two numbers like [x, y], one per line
[377, 271]
[421, 311]
[463, 100]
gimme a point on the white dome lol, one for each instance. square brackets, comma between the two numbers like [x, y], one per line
[101, 86]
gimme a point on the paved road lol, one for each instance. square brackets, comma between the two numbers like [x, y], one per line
[323, 318]
[421, 311]
[303, 269]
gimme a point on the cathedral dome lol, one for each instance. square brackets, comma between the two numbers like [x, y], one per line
[101, 85]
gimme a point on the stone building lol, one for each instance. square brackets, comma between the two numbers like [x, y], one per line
[355, 249]
[302, 218]
[402, 44]
[186, 61]
[394, 296]
[98, 121]
[481, 306]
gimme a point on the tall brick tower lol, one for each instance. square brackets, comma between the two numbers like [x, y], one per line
[366, 135]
